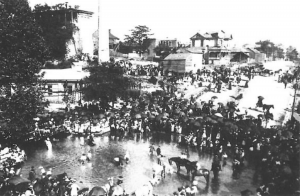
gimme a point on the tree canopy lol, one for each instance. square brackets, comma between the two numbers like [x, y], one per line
[292, 53]
[23, 51]
[270, 49]
[138, 34]
[57, 28]
[106, 82]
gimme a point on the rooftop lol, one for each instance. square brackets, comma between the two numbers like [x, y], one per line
[196, 50]
[64, 74]
[179, 56]
[68, 10]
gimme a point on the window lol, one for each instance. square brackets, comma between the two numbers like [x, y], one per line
[69, 89]
[49, 89]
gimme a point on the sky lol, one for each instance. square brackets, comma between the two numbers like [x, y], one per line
[248, 21]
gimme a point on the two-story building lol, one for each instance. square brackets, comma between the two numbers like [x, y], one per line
[216, 44]
[82, 39]
[113, 40]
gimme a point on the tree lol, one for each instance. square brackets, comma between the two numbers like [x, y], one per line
[266, 47]
[57, 28]
[106, 83]
[291, 53]
[270, 49]
[22, 53]
[138, 34]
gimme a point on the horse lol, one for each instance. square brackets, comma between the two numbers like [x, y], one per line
[267, 107]
[278, 71]
[200, 172]
[189, 165]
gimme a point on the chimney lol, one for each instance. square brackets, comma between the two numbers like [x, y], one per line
[108, 30]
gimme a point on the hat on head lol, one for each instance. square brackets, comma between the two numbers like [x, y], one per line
[195, 183]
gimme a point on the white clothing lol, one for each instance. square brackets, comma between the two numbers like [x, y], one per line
[74, 189]
[172, 128]
[43, 171]
[49, 172]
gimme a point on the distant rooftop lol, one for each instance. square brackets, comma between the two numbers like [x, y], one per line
[179, 56]
[68, 10]
[63, 74]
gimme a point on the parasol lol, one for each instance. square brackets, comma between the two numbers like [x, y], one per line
[183, 107]
[213, 121]
[214, 97]
[151, 117]
[138, 116]
[184, 119]
[97, 191]
[287, 134]
[15, 180]
[177, 111]
[166, 115]
[181, 113]
[101, 116]
[158, 117]
[95, 121]
[218, 115]
[286, 170]
[197, 124]
[144, 115]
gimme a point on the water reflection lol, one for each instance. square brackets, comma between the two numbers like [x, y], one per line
[49, 153]
[65, 154]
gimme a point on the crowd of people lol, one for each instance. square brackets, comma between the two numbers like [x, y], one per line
[11, 161]
[213, 128]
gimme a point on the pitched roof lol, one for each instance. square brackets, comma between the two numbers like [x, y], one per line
[64, 74]
[227, 37]
[111, 36]
[195, 50]
[254, 50]
[179, 56]
[244, 50]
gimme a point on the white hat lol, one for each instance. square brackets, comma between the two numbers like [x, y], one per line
[195, 183]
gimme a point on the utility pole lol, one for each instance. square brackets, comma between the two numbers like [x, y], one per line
[295, 92]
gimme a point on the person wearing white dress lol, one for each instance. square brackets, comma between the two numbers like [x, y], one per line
[74, 189]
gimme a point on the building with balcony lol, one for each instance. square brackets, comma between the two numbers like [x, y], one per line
[64, 15]
[216, 44]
